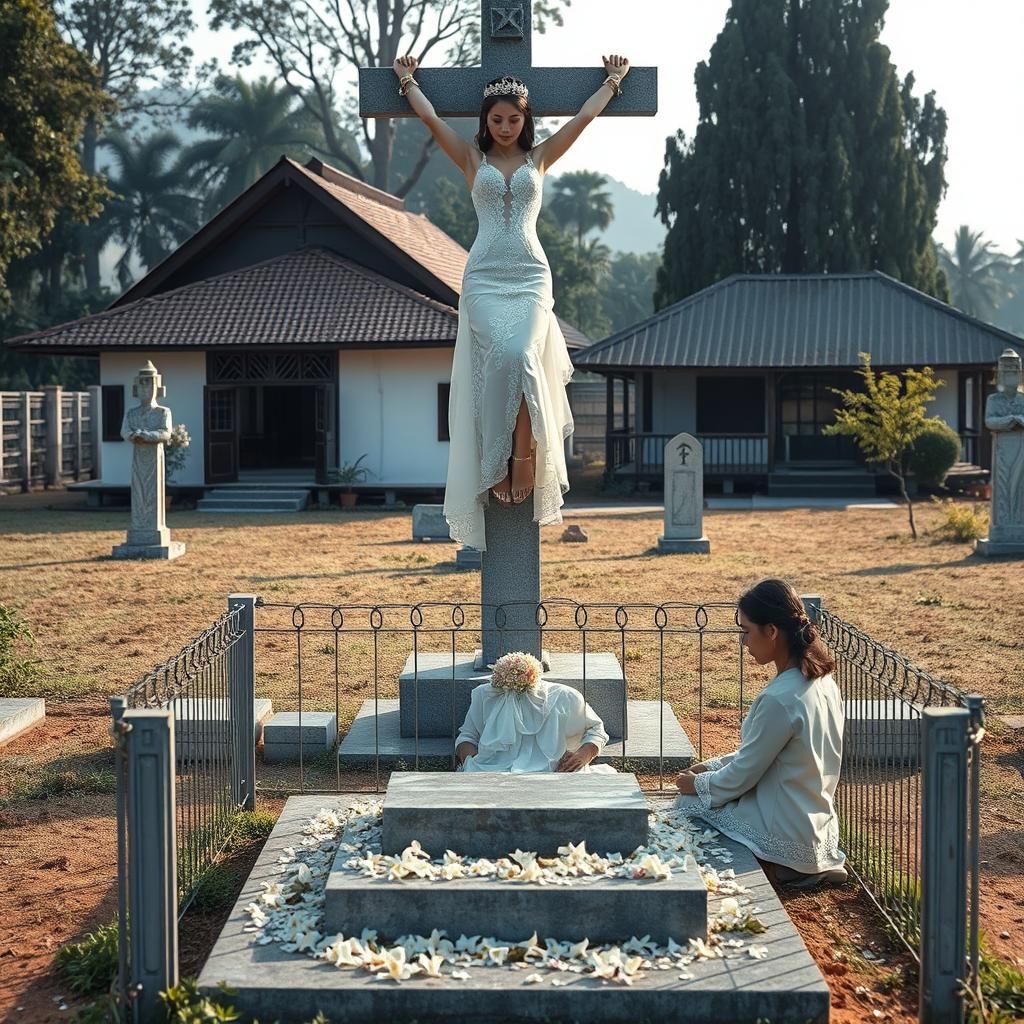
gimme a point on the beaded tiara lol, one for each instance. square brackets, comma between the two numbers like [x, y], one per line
[506, 87]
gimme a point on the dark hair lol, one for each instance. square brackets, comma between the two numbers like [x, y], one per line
[484, 139]
[776, 603]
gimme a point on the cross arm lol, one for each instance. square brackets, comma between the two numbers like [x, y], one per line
[554, 92]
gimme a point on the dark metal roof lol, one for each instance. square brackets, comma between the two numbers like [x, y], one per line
[309, 296]
[811, 320]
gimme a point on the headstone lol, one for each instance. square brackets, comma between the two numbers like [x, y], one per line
[202, 725]
[429, 523]
[505, 44]
[468, 558]
[148, 427]
[287, 735]
[684, 498]
[574, 534]
[1004, 416]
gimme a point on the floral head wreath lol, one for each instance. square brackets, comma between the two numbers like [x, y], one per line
[506, 87]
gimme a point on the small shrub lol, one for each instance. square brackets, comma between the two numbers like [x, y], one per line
[934, 452]
[251, 827]
[218, 889]
[187, 1005]
[959, 521]
[90, 966]
[19, 677]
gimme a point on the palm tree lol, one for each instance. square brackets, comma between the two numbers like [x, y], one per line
[972, 269]
[581, 202]
[251, 125]
[153, 211]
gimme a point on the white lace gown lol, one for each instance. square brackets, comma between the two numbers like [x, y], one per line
[529, 732]
[508, 345]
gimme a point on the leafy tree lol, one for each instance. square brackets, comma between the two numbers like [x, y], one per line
[810, 154]
[886, 418]
[308, 41]
[153, 211]
[250, 124]
[580, 202]
[971, 269]
[132, 44]
[629, 288]
[53, 90]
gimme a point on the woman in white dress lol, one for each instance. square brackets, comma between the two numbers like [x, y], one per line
[775, 793]
[549, 728]
[508, 413]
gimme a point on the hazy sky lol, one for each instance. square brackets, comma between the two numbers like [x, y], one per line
[968, 53]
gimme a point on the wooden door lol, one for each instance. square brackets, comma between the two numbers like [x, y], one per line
[325, 446]
[220, 402]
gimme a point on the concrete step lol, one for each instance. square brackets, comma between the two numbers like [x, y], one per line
[234, 504]
[819, 491]
[491, 810]
[248, 493]
[291, 987]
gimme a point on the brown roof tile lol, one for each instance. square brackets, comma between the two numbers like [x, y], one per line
[307, 297]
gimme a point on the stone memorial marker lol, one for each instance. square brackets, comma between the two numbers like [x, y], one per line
[684, 498]
[1004, 416]
[148, 427]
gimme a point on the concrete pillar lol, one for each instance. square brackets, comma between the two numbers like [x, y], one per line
[96, 430]
[945, 743]
[54, 434]
[152, 853]
[812, 607]
[510, 575]
[242, 694]
[25, 441]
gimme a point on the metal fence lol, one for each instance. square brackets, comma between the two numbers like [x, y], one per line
[48, 437]
[907, 796]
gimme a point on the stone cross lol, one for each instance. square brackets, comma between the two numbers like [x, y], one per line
[684, 497]
[1004, 416]
[505, 37]
[147, 426]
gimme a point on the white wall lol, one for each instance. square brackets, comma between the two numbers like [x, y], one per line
[388, 403]
[945, 405]
[674, 402]
[184, 375]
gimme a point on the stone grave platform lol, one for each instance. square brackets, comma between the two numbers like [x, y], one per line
[881, 732]
[17, 714]
[202, 725]
[284, 737]
[425, 689]
[272, 984]
[490, 810]
[654, 733]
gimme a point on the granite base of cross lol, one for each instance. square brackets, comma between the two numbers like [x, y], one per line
[505, 37]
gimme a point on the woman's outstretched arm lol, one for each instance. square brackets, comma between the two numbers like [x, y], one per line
[548, 151]
[460, 151]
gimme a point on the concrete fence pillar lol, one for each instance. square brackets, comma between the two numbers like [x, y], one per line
[95, 430]
[25, 441]
[53, 411]
[812, 607]
[242, 696]
[945, 743]
[152, 853]
[76, 412]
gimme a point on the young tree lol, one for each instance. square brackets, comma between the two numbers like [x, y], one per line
[886, 418]
[307, 40]
[54, 90]
[810, 154]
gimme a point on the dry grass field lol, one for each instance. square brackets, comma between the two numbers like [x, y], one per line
[100, 624]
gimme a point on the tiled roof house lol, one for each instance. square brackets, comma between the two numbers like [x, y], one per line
[312, 320]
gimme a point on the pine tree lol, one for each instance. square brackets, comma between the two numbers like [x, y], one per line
[810, 154]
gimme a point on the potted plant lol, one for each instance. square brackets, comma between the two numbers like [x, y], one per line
[348, 474]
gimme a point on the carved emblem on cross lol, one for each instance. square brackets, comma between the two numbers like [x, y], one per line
[507, 22]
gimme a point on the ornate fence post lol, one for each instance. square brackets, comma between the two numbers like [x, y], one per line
[152, 858]
[945, 743]
[242, 696]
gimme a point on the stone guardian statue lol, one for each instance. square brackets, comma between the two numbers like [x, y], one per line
[148, 427]
[1004, 416]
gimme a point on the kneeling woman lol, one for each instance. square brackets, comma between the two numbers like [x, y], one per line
[775, 793]
[520, 723]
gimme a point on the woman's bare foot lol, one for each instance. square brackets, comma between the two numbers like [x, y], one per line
[502, 490]
[523, 470]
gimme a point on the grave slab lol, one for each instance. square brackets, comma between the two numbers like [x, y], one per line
[881, 732]
[17, 714]
[494, 813]
[274, 985]
[656, 738]
[425, 688]
[202, 725]
[468, 558]
[284, 739]
[429, 523]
